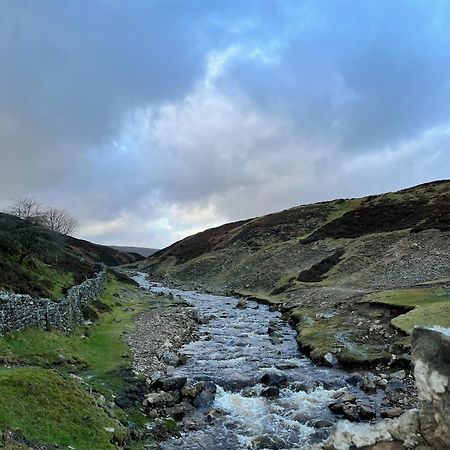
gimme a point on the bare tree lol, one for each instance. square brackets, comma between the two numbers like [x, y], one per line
[55, 219]
[27, 208]
[58, 220]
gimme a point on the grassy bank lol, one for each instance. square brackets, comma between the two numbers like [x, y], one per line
[425, 306]
[49, 408]
[320, 334]
[42, 398]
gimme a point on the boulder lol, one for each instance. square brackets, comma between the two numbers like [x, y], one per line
[394, 386]
[191, 390]
[170, 358]
[171, 383]
[347, 435]
[206, 396]
[346, 404]
[391, 412]
[153, 378]
[354, 379]
[366, 412]
[346, 397]
[271, 392]
[322, 423]
[204, 399]
[430, 352]
[368, 383]
[330, 359]
[159, 398]
[399, 375]
[274, 379]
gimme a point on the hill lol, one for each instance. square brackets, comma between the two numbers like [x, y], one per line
[142, 251]
[344, 270]
[37, 261]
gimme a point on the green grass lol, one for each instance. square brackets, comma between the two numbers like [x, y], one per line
[428, 306]
[48, 408]
[339, 209]
[321, 336]
[58, 281]
[96, 353]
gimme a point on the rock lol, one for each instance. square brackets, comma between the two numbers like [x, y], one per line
[394, 386]
[333, 385]
[159, 398]
[366, 412]
[321, 423]
[209, 386]
[390, 413]
[266, 442]
[369, 383]
[153, 378]
[350, 412]
[274, 379]
[206, 396]
[399, 375]
[305, 386]
[159, 429]
[170, 358]
[176, 412]
[171, 383]
[346, 397]
[347, 435]
[241, 304]
[286, 365]
[276, 340]
[404, 427]
[204, 399]
[430, 352]
[271, 392]
[213, 414]
[170, 370]
[76, 378]
[385, 446]
[346, 405]
[330, 359]
[354, 379]
[191, 390]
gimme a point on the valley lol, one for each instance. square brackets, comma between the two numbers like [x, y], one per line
[270, 333]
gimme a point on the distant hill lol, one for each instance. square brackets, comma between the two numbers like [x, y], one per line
[143, 251]
[37, 261]
[331, 265]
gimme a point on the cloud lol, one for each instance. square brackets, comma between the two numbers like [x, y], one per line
[150, 120]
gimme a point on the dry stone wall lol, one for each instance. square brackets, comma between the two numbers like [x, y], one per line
[18, 311]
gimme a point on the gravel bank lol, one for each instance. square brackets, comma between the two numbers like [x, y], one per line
[158, 335]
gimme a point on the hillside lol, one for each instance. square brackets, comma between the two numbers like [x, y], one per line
[37, 261]
[354, 274]
[142, 251]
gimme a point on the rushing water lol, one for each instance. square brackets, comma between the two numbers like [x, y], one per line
[235, 350]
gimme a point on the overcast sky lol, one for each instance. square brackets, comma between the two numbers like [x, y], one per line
[152, 120]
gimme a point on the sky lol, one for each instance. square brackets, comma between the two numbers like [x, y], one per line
[152, 120]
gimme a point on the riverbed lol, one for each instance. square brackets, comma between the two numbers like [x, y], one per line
[238, 344]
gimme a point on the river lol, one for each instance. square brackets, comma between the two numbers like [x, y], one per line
[234, 350]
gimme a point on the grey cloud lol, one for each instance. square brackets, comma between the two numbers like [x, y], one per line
[107, 108]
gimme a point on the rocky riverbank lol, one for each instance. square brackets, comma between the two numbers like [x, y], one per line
[365, 407]
[159, 333]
